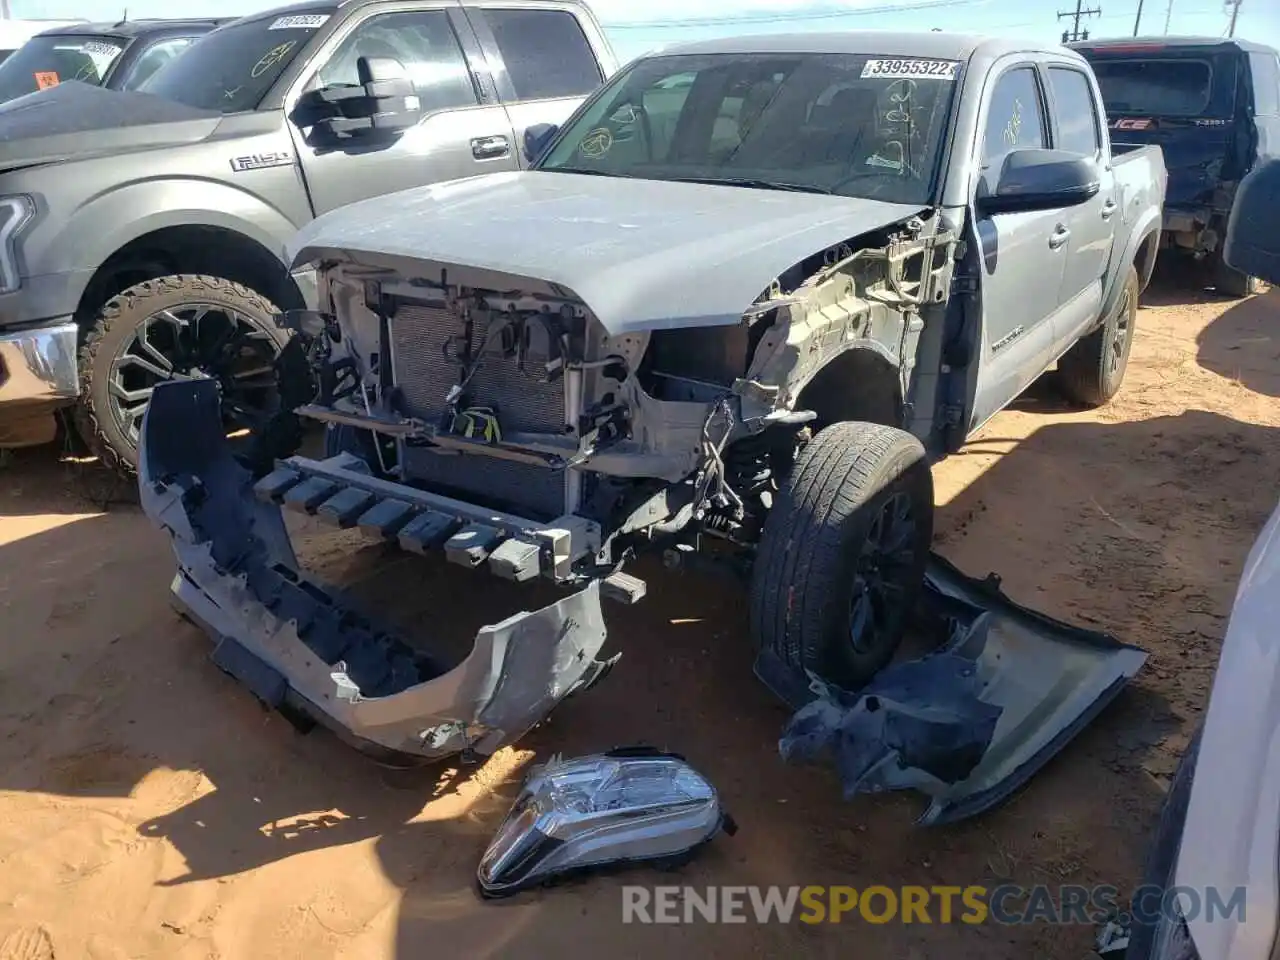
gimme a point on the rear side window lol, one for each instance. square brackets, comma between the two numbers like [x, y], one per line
[1160, 88]
[1266, 84]
[1074, 110]
[546, 53]
[1015, 117]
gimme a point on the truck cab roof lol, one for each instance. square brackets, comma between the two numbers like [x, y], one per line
[129, 29]
[932, 45]
[1154, 44]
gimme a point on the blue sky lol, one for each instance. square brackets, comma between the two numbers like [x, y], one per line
[635, 27]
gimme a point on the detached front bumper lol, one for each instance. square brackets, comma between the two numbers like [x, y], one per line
[299, 648]
[38, 365]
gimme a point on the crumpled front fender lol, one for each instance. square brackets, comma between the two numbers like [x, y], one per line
[301, 649]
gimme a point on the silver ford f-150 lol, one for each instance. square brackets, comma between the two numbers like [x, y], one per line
[141, 231]
[744, 297]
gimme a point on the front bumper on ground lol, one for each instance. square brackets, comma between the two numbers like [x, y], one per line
[300, 649]
[38, 366]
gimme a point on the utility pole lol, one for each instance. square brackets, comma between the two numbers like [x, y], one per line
[1075, 33]
[1137, 20]
[1168, 15]
[1235, 12]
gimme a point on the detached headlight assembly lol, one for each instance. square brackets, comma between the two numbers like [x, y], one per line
[631, 805]
[15, 212]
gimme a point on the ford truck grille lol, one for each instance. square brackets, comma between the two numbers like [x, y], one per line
[523, 401]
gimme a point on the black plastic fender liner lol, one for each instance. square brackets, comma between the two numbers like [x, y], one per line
[299, 647]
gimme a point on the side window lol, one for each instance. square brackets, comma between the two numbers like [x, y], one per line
[1075, 111]
[155, 57]
[546, 53]
[423, 42]
[1266, 84]
[1015, 117]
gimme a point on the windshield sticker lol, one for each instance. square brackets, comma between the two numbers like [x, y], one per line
[46, 79]
[875, 160]
[310, 21]
[272, 57]
[596, 143]
[915, 69]
[99, 48]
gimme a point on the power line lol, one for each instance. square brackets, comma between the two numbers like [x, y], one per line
[1075, 33]
[789, 17]
[1235, 12]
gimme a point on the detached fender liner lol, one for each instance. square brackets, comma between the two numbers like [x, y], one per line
[300, 649]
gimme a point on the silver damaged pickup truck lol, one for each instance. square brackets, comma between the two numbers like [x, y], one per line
[743, 298]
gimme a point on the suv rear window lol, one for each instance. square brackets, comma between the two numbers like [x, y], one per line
[1161, 88]
[546, 53]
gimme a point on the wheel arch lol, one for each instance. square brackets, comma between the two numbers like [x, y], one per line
[862, 383]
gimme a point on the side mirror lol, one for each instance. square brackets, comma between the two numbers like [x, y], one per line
[1040, 180]
[536, 140]
[1253, 244]
[381, 106]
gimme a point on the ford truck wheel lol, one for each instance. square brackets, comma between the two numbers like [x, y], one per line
[842, 556]
[1090, 373]
[176, 327]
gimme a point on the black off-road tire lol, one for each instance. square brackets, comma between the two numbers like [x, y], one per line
[1230, 282]
[1091, 372]
[117, 322]
[803, 579]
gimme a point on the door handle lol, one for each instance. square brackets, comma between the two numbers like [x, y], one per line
[1108, 209]
[490, 148]
[1059, 236]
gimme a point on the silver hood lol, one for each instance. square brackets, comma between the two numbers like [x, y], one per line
[641, 254]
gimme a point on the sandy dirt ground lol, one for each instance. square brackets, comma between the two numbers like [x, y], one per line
[150, 808]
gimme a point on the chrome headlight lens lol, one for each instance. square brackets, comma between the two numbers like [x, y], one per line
[606, 809]
[15, 213]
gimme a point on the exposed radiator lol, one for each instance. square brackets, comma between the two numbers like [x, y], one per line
[522, 400]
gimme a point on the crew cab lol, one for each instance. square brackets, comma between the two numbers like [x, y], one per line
[1212, 105]
[744, 296]
[118, 56]
[141, 231]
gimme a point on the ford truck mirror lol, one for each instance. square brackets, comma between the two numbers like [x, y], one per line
[536, 140]
[1036, 179]
[1253, 243]
[379, 108]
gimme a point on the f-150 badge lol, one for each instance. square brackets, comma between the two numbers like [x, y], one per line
[260, 161]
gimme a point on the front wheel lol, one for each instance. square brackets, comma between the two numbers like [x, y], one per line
[179, 327]
[842, 556]
[1091, 372]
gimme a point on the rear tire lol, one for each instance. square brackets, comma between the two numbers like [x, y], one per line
[842, 555]
[121, 355]
[1231, 282]
[1091, 372]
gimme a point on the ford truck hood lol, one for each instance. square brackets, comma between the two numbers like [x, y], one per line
[78, 119]
[641, 254]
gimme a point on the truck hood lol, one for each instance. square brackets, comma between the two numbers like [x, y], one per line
[77, 120]
[641, 254]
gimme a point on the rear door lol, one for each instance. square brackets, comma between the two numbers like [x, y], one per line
[464, 130]
[1077, 128]
[543, 59]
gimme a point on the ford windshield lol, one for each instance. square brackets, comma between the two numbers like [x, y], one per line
[854, 125]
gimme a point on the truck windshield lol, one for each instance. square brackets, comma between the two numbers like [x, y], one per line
[47, 61]
[859, 126]
[231, 69]
[1158, 88]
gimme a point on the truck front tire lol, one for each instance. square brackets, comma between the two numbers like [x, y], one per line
[177, 327]
[1091, 372]
[842, 557]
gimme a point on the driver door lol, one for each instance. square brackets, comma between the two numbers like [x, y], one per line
[1023, 255]
[458, 136]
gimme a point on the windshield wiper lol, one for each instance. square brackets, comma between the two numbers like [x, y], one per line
[757, 184]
